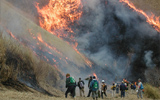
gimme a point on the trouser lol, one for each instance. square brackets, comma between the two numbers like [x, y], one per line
[95, 95]
[70, 89]
[132, 91]
[113, 93]
[122, 93]
[103, 93]
[89, 93]
[139, 93]
[81, 91]
[126, 92]
[117, 91]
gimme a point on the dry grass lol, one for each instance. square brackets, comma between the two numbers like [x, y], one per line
[151, 92]
[17, 62]
[148, 5]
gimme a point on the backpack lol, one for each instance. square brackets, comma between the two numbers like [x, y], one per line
[95, 85]
[141, 87]
[126, 87]
[72, 80]
[81, 84]
[117, 86]
[134, 86]
[113, 87]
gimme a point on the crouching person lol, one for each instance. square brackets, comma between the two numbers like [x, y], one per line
[70, 85]
[94, 86]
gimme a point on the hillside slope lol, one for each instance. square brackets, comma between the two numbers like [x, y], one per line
[148, 5]
[25, 30]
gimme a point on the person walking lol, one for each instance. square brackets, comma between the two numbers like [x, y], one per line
[94, 86]
[113, 88]
[122, 89]
[140, 88]
[81, 87]
[70, 85]
[103, 89]
[90, 79]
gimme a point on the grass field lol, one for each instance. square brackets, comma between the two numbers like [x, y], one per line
[6, 94]
[148, 6]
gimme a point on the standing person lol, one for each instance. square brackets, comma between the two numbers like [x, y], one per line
[103, 89]
[70, 85]
[126, 91]
[122, 89]
[94, 86]
[81, 87]
[132, 87]
[90, 79]
[117, 88]
[113, 88]
[140, 88]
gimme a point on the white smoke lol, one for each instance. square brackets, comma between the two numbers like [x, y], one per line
[148, 59]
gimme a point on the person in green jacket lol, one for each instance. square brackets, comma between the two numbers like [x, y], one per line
[70, 85]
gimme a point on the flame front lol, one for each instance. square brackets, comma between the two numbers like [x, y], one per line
[153, 20]
[59, 14]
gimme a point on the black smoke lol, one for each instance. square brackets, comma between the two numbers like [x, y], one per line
[112, 34]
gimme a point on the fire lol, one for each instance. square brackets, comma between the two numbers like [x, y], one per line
[59, 14]
[153, 20]
[94, 74]
[52, 48]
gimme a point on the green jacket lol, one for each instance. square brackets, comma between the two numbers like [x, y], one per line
[68, 83]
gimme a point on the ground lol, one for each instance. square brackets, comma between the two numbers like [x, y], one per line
[11, 94]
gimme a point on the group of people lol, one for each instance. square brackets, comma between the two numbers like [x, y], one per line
[94, 87]
[124, 86]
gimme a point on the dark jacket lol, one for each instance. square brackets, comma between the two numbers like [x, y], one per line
[79, 83]
[89, 82]
[92, 85]
[68, 84]
[122, 87]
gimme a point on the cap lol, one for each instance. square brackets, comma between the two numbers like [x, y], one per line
[103, 81]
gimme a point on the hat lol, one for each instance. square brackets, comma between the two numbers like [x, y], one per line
[139, 79]
[94, 77]
[122, 81]
[103, 81]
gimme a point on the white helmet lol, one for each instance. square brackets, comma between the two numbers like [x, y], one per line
[103, 81]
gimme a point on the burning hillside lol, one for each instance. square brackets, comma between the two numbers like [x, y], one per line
[109, 37]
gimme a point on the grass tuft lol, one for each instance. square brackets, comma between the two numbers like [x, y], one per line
[151, 92]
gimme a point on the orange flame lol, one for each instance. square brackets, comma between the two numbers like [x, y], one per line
[94, 74]
[59, 14]
[153, 20]
[52, 48]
